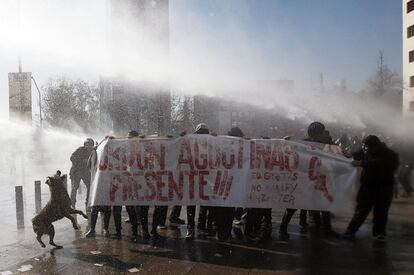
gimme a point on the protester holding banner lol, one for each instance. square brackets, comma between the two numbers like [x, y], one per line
[117, 210]
[225, 215]
[378, 164]
[106, 210]
[254, 231]
[201, 169]
[201, 129]
[318, 133]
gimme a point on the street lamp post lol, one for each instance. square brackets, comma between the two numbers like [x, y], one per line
[40, 103]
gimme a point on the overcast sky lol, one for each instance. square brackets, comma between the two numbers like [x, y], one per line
[266, 39]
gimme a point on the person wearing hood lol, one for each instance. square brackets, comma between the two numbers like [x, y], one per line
[316, 133]
[378, 164]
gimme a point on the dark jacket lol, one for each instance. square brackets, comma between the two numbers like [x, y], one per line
[79, 160]
[378, 167]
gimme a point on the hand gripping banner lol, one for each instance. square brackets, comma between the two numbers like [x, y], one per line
[221, 171]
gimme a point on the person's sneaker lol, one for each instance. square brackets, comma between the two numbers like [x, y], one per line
[162, 227]
[202, 233]
[329, 233]
[190, 234]
[238, 232]
[348, 235]
[90, 234]
[118, 235]
[134, 238]
[146, 235]
[303, 228]
[380, 238]
[266, 234]
[252, 238]
[210, 232]
[154, 233]
[176, 222]
[106, 233]
[239, 222]
[283, 235]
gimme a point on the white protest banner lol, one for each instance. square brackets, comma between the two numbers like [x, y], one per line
[221, 171]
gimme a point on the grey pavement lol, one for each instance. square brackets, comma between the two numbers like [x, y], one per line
[172, 254]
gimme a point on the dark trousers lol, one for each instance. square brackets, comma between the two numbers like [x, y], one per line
[255, 217]
[176, 212]
[238, 213]
[117, 213]
[267, 215]
[75, 182]
[378, 198]
[253, 221]
[224, 219]
[106, 210]
[191, 210]
[206, 217]
[321, 218]
[142, 212]
[159, 217]
[288, 216]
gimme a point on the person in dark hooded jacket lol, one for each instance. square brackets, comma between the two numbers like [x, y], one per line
[79, 170]
[378, 164]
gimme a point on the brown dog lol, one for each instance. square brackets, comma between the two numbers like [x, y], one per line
[57, 208]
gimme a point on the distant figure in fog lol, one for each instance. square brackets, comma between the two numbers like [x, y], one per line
[80, 170]
[378, 164]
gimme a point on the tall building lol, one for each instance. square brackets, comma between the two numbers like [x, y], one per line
[137, 34]
[408, 58]
[20, 96]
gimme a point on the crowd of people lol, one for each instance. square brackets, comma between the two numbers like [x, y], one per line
[378, 165]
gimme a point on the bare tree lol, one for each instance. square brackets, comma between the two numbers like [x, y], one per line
[385, 85]
[66, 102]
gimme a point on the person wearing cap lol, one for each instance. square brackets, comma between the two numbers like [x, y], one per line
[378, 163]
[79, 170]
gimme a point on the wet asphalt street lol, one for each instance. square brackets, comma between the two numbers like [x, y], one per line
[172, 254]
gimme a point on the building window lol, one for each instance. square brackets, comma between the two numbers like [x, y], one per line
[411, 56]
[410, 6]
[411, 81]
[410, 31]
[411, 106]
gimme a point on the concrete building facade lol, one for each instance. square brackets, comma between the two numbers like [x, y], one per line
[408, 58]
[136, 29]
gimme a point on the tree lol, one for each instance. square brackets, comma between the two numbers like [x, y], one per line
[182, 117]
[67, 103]
[385, 85]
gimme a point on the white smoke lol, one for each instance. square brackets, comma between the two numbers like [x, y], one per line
[83, 39]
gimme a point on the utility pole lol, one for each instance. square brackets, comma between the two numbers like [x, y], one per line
[40, 103]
